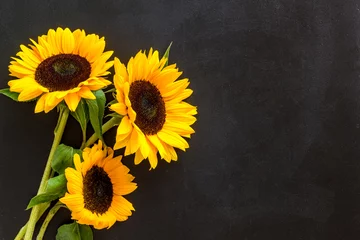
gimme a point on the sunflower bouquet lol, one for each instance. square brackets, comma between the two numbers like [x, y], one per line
[70, 71]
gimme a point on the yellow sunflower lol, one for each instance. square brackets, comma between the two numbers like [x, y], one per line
[150, 98]
[96, 187]
[62, 65]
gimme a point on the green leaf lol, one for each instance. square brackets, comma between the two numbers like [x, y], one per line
[13, 95]
[166, 54]
[56, 184]
[42, 198]
[63, 158]
[85, 232]
[55, 188]
[101, 101]
[114, 115]
[110, 90]
[81, 114]
[68, 232]
[74, 231]
[96, 112]
[111, 103]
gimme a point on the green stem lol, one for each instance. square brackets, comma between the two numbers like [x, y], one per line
[47, 220]
[106, 127]
[22, 231]
[59, 130]
[84, 139]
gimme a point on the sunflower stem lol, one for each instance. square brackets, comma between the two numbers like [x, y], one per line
[47, 220]
[84, 140]
[22, 231]
[106, 127]
[59, 130]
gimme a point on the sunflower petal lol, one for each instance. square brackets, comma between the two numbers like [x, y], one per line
[173, 139]
[86, 93]
[68, 42]
[29, 94]
[72, 100]
[120, 108]
[40, 104]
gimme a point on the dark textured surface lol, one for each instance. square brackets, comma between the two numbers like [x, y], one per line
[276, 151]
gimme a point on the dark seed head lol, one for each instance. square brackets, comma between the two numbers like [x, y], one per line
[149, 106]
[62, 72]
[97, 190]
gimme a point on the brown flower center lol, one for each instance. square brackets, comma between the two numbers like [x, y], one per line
[97, 190]
[62, 72]
[149, 106]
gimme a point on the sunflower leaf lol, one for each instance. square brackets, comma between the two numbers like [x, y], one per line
[57, 183]
[13, 95]
[96, 112]
[101, 101]
[166, 54]
[114, 115]
[74, 231]
[56, 188]
[81, 114]
[63, 158]
[43, 198]
[85, 232]
[111, 103]
[110, 90]
[68, 232]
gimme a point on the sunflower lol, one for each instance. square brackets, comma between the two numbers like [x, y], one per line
[96, 187]
[62, 65]
[150, 98]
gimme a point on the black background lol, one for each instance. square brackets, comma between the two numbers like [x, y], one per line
[275, 154]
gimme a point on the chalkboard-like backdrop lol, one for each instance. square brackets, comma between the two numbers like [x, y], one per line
[276, 153]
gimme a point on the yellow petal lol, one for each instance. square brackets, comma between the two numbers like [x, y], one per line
[172, 153]
[134, 141]
[30, 54]
[183, 118]
[68, 42]
[153, 157]
[166, 77]
[178, 127]
[120, 143]
[96, 51]
[20, 69]
[25, 64]
[172, 139]
[132, 114]
[86, 93]
[72, 100]
[122, 206]
[125, 126]
[74, 181]
[120, 108]
[99, 65]
[73, 201]
[145, 149]
[51, 39]
[120, 69]
[124, 189]
[40, 105]
[59, 37]
[29, 94]
[51, 101]
[183, 95]
[22, 84]
[138, 157]
[173, 89]
[77, 162]
[156, 142]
